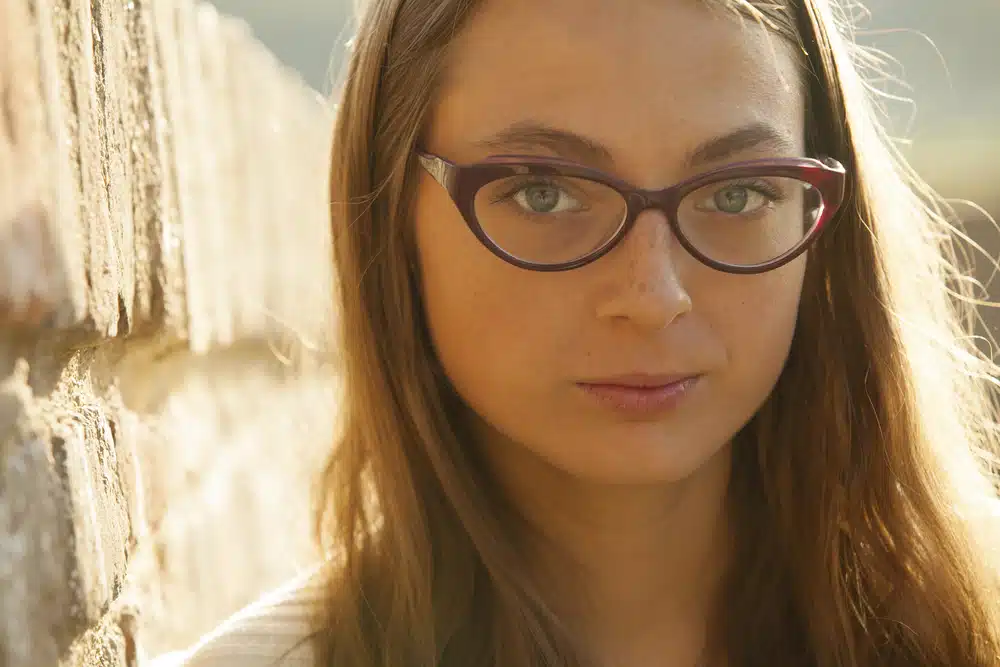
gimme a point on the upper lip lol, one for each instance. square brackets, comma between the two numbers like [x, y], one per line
[641, 380]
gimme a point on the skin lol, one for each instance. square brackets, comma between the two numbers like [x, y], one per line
[631, 537]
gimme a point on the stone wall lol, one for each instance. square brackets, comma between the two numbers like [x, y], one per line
[164, 289]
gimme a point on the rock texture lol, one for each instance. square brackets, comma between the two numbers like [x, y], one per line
[164, 294]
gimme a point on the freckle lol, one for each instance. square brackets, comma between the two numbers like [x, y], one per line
[643, 288]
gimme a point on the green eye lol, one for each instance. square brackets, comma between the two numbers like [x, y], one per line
[732, 199]
[540, 198]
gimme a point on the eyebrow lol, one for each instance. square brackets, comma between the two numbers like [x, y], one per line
[533, 135]
[749, 137]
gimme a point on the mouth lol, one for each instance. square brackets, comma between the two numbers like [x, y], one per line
[641, 394]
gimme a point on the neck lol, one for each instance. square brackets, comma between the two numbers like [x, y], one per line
[634, 570]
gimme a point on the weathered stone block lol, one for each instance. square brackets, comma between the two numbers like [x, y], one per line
[109, 644]
[41, 272]
[36, 564]
[228, 464]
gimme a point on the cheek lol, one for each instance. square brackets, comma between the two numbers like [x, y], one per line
[756, 320]
[486, 318]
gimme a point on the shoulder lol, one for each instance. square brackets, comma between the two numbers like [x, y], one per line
[272, 632]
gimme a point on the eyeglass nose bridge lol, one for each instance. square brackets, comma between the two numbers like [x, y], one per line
[639, 201]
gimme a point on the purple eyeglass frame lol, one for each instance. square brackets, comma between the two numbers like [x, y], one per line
[463, 182]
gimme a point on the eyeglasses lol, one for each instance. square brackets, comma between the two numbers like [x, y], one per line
[545, 214]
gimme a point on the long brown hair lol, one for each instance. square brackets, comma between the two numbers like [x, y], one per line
[861, 491]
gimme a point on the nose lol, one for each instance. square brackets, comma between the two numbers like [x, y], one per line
[647, 291]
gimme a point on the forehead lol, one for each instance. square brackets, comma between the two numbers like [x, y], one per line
[661, 74]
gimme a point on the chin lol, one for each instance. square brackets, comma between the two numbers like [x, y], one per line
[644, 461]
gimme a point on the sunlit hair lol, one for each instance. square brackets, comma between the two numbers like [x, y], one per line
[861, 492]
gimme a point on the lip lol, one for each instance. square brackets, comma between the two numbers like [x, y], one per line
[639, 394]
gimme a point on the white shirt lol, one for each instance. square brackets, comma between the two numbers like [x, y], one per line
[272, 632]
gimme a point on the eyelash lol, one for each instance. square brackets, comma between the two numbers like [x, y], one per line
[534, 182]
[769, 190]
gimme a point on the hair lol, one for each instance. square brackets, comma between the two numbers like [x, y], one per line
[862, 491]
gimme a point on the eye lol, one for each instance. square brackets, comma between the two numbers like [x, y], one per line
[739, 199]
[545, 198]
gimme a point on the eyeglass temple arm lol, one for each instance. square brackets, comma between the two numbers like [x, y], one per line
[440, 169]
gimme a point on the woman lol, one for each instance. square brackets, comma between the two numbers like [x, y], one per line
[653, 357]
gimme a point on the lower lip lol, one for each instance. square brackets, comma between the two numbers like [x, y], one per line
[641, 400]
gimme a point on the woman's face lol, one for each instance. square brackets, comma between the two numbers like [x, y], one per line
[651, 92]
